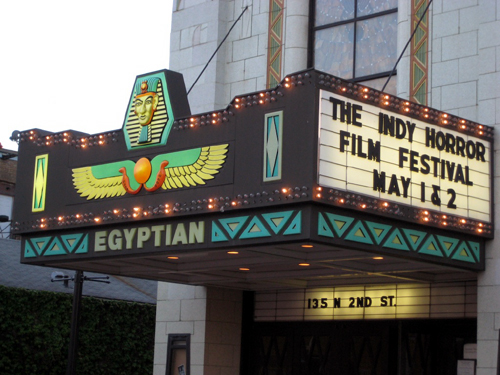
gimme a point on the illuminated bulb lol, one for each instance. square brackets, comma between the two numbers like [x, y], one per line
[47, 137]
[237, 100]
[97, 219]
[168, 211]
[341, 200]
[365, 96]
[445, 121]
[385, 204]
[378, 258]
[407, 109]
[233, 252]
[426, 219]
[344, 89]
[319, 188]
[463, 221]
[192, 119]
[173, 257]
[214, 114]
[479, 230]
[318, 195]
[284, 190]
[214, 121]
[236, 106]
[233, 203]
[307, 246]
[244, 269]
[445, 115]
[386, 103]
[426, 212]
[42, 225]
[135, 214]
[444, 217]
[210, 206]
[365, 89]
[116, 211]
[286, 85]
[386, 97]
[261, 94]
[78, 216]
[136, 209]
[60, 218]
[480, 224]
[363, 205]
[304, 264]
[261, 101]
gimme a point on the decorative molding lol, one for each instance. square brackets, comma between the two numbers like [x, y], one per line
[266, 225]
[275, 42]
[419, 67]
[398, 238]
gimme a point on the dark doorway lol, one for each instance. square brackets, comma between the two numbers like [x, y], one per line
[424, 347]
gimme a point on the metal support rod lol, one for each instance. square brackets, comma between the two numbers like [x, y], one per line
[407, 44]
[218, 47]
[75, 324]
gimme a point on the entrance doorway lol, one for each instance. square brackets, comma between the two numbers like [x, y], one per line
[413, 347]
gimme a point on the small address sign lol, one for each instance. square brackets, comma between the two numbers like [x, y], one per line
[351, 302]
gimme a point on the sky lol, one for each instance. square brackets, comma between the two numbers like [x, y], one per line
[71, 65]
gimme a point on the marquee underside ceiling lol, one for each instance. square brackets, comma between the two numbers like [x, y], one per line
[274, 267]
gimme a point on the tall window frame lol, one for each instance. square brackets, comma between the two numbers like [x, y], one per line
[318, 26]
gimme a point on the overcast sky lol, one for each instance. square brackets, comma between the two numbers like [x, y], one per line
[69, 64]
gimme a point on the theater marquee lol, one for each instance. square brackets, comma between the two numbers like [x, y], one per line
[315, 161]
[372, 151]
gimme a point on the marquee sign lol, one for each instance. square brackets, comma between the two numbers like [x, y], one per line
[315, 158]
[376, 152]
[366, 302]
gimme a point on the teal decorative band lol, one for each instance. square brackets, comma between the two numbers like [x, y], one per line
[403, 239]
[283, 223]
[56, 245]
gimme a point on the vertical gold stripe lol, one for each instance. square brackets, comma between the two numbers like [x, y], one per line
[275, 42]
[419, 65]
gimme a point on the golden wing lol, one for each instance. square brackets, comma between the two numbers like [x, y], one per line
[100, 181]
[193, 171]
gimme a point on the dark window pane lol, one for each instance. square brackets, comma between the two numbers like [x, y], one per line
[376, 45]
[330, 11]
[333, 50]
[367, 7]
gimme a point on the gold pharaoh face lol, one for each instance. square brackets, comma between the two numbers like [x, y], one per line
[145, 106]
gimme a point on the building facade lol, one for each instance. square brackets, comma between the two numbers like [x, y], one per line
[307, 208]
[451, 65]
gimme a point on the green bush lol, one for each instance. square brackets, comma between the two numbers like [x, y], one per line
[115, 337]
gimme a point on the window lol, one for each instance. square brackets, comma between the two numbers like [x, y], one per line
[356, 39]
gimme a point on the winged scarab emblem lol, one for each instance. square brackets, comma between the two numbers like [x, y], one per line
[172, 170]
